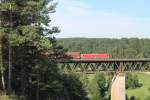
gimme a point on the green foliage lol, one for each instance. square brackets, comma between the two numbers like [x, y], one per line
[93, 90]
[149, 89]
[147, 98]
[73, 88]
[133, 98]
[141, 92]
[42, 79]
[34, 77]
[30, 23]
[117, 48]
[132, 81]
[101, 81]
[98, 87]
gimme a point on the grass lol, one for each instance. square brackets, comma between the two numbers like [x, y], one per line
[4, 97]
[143, 91]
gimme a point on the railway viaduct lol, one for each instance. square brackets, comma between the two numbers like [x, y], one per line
[118, 66]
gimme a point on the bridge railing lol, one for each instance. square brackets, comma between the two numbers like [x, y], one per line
[107, 65]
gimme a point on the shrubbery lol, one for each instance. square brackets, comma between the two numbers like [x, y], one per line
[132, 81]
[135, 98]
[149, 89]
[148, 98]
[98, 87]
[132, 98]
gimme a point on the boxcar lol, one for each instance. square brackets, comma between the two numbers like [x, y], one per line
[95, 56]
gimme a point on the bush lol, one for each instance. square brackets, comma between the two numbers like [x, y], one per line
[101, 82]
[98, 87]
[73, 88]
[132, 81]
[148, 98]
[149, 89]
[93, 90]
[132, 98]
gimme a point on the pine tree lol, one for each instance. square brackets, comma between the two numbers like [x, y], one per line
[26, 24]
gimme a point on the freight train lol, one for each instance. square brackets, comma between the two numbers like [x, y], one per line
[76, 55]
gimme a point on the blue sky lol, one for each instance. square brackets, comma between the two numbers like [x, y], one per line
[103, 18]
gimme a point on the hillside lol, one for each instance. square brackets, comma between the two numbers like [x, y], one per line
[117, 48]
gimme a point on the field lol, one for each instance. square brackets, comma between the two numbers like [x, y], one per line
[141, 92]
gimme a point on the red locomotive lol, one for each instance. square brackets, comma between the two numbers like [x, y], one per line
[77, 55]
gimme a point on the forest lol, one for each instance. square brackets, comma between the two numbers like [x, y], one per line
[117, 48]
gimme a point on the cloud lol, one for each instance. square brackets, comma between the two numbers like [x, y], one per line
[77, 19]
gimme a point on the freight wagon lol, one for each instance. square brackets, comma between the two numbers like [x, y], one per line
[95, 56]
[77, 55]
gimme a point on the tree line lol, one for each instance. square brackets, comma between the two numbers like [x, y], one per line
[117, 48]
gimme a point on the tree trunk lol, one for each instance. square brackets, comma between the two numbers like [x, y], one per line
[1, 51]
[1, 65]
[9, 69]
[37, 91]
[22, 82]
[10, 50]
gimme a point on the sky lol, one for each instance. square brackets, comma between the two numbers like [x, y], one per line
[102, 18]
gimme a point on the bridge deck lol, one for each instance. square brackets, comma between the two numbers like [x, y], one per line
[101, 60]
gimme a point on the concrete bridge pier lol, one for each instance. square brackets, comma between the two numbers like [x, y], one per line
[118, 87]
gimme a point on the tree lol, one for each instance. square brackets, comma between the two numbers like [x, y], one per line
[30, 33]
[73, 88]
[93, 90]
[101, 81]
[132, 81]
[98, 87]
